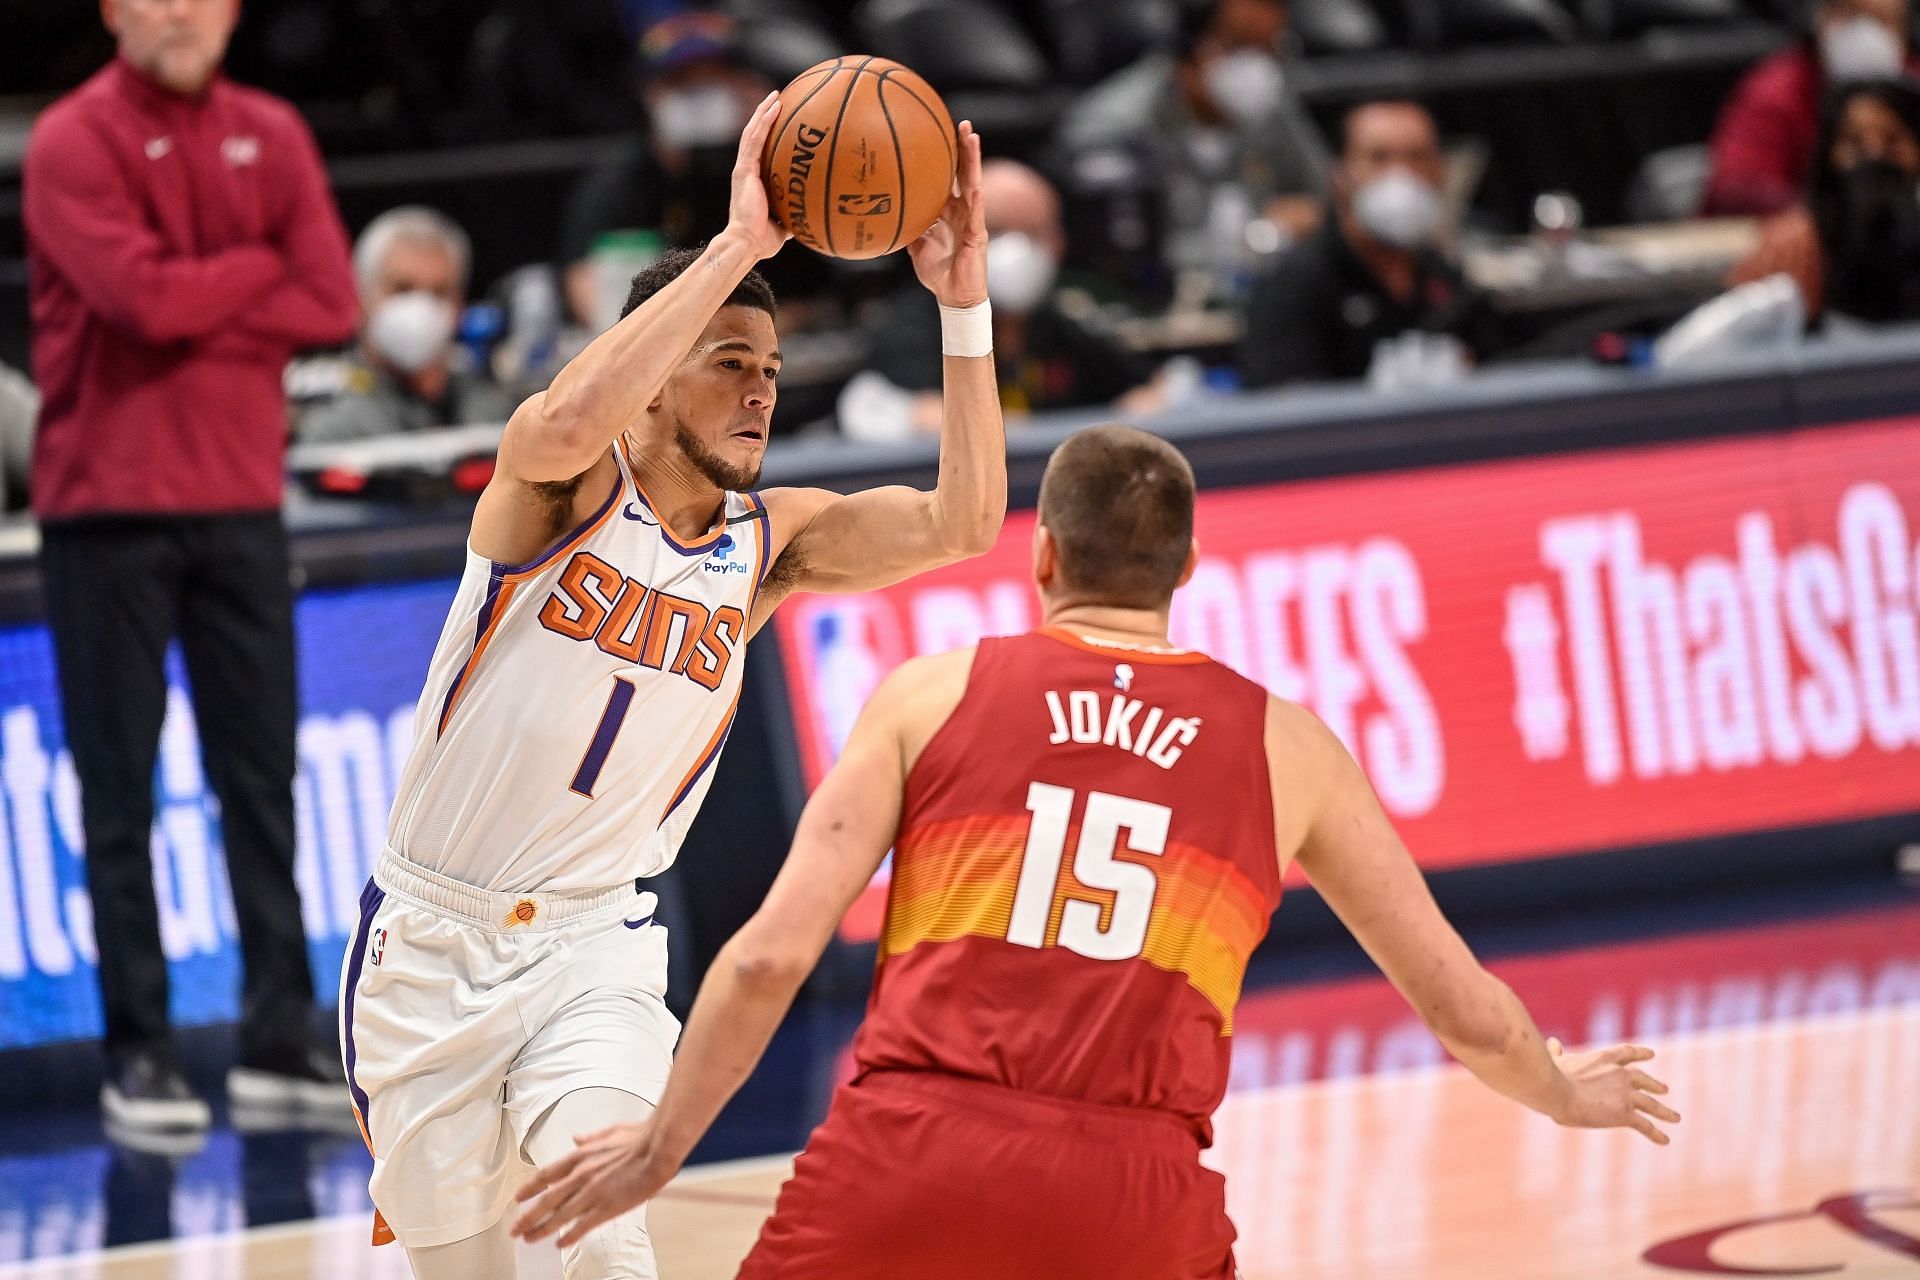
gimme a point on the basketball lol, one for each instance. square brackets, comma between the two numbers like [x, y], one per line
[862, 158]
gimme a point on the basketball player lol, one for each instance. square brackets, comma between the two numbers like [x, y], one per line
[503, 992]
[1090, 828]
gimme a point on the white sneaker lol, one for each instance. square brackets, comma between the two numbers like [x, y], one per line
[146, 1091]
[313, 1082]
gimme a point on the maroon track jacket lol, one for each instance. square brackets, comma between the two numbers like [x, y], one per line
[1764, 142]
[179, 250]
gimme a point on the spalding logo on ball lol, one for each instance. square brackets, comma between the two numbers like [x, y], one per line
[862, 159]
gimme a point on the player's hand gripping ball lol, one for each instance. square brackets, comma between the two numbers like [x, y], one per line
[862, 159]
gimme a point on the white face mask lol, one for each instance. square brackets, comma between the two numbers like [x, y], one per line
[1245, 85]
[1398, 208]
[411, 330]
[703, 116]
[1020, 272]
[1858, 48]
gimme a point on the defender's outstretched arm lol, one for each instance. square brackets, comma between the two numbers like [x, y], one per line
[1356, 860]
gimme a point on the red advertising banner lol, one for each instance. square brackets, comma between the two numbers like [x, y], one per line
[1533, 657]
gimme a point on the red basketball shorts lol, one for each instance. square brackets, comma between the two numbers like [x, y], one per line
[921, 1177]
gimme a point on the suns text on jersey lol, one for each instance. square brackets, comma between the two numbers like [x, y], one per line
[634, 622]
[1082, 717]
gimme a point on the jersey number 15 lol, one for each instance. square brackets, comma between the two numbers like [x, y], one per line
[1094, 866]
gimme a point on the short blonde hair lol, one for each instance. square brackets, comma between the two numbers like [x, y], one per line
[1118, 502]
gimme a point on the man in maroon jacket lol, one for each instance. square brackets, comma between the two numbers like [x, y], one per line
[182, 243]
[1762, 148]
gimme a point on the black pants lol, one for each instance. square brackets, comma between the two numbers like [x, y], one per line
[117, 592]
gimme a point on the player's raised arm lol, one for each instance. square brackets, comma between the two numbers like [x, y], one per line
[882, 536]
[846, 830]
[1356, 860]
[557, 434]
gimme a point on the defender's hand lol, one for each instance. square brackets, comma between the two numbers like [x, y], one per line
[951, 258]
[605, 1175]
[749, 216]
[1609, 1092]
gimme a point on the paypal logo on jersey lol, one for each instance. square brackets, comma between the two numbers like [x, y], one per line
[720, 559]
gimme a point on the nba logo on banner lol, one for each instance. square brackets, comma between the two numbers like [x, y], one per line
[378, 946]
[855, 642]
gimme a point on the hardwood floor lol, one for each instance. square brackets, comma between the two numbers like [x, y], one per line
[1799, 1155]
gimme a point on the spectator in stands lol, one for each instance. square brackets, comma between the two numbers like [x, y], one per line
[1763, 146]
[1045, 358]
[181, 243]
[1866, 202]
[411, 265]
[1340, 303]
[1854, 248]
[1236, 160]
[19, 408]
[669, 183]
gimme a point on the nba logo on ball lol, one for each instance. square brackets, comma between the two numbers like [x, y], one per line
[857, 205]
[862, 159]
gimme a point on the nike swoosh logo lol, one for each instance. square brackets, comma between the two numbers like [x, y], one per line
[630, 513]
[641, 923]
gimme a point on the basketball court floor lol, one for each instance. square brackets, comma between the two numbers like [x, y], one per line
[1790, 1034]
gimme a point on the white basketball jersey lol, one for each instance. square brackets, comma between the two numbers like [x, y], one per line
[576, 704]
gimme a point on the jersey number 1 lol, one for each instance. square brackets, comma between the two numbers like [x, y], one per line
[1094, 866]
[603, 735]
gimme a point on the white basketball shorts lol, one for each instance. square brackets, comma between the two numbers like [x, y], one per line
[465, 1015]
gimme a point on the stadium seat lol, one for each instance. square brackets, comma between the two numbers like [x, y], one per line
[1094, 38]
[782, 45]
[955, 44]
[1668, 186]
[1625, 19]
[1337, 26]
[987, 68]
[1452, 24]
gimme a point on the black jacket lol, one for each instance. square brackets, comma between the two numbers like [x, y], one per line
[1318, 312]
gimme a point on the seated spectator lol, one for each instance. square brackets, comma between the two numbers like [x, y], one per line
[1854, 248]
[1214, 127]
[1044, 357]
[1329, 306]
[1866, 202]
[1763, 144]
[670, 181]
[411, 267]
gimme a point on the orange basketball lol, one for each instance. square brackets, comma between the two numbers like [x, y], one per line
[862, 158]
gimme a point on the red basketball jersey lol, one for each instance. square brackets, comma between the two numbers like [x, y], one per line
[1085, 861]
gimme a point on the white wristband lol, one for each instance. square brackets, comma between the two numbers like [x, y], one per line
[966, 331]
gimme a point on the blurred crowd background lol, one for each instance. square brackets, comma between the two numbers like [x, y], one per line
[1189, 198]
[1314, 240]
